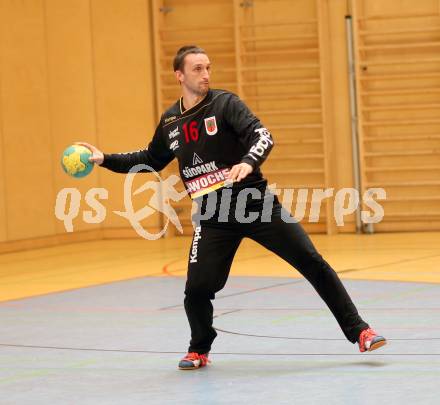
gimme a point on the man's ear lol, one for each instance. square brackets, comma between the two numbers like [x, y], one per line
[179, 76]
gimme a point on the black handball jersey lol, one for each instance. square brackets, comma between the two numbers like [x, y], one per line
[207, 140]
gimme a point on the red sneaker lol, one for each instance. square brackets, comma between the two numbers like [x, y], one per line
[369, 340]
[193, 360]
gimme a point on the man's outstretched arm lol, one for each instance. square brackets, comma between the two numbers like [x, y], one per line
[156, 155]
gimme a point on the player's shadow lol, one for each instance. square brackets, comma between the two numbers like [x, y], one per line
[258, 367]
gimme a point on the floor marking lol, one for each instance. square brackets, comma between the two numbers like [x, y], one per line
[213, 353]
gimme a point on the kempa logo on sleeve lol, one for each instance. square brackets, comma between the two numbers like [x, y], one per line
[169, 119]
[195, 244]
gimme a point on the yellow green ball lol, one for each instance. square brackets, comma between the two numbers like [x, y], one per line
[75, 161]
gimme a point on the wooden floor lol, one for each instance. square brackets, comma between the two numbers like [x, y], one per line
[412, 257]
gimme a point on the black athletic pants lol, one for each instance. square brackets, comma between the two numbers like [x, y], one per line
[211, 254]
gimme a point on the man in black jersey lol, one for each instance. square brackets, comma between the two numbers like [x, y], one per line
[218, 142]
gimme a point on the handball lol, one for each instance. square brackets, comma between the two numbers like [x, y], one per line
[75, 161]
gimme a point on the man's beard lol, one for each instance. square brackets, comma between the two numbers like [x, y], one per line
[200, 92]
[203, 92]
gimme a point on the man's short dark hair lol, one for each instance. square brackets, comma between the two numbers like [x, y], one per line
[179, 59]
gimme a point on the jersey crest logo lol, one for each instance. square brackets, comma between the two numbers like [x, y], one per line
[197, 160]
[211, 125]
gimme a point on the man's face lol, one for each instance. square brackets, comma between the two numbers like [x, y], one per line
[195, 73]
